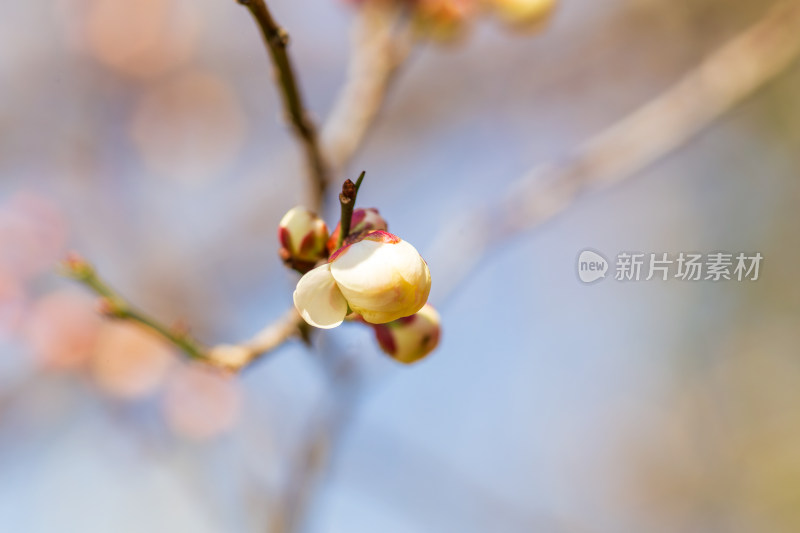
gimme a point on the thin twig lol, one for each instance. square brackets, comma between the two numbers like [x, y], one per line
[723, 80]
[277, 39]
[347, 200]
[115, 306]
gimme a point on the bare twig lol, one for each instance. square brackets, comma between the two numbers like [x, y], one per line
[277, 40]
[719, 83]
[236, 357]
[230, 357]
[347, 200]
[115, 306]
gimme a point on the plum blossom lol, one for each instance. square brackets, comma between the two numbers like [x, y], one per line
[381, 277]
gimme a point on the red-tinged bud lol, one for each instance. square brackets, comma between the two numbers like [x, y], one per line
[443, 20]
[303, 236]
[109, 308]
[363, 221]
[410, 339]
[75, 266]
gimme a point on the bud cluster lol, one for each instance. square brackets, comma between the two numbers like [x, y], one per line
[449, 20]
[367, 275]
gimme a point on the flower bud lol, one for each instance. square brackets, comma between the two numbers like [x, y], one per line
[381, 277]
[409, 339]
[524, 14]
[363, 222]
[303, 236]
[443, 20]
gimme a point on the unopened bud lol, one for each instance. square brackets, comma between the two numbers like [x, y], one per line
[303, 236]
[410, 339]
[443, 20]
[363, 222]
[348, 190]
[75, 266]
[526, 15]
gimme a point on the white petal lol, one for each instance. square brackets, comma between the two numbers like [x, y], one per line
[382, 281]
[318, 300]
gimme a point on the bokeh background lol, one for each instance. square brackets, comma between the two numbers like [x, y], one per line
[147, 135]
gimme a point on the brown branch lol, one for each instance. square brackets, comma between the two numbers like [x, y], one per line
[277, 39]
[347, 201]
[703, 95]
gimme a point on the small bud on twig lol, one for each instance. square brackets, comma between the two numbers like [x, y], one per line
[347, 199]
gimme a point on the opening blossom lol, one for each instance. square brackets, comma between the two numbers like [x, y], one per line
[380, 276]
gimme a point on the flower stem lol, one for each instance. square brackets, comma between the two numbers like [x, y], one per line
[347, 199]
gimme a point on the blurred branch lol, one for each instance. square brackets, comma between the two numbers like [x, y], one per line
[380, 43]
[723, 80]
[277, 40]
[230, 357]
[115, 306]
[237, 357]
[328, 423]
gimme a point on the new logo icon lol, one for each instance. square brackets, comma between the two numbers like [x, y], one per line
[591, 266]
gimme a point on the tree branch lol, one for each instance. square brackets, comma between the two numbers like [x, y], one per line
[347, 200]
[723, 80]
[115, 306]
[277, 39]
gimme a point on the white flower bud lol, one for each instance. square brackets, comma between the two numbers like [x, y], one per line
[303, 237]
[380, 277]
[409, 339]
